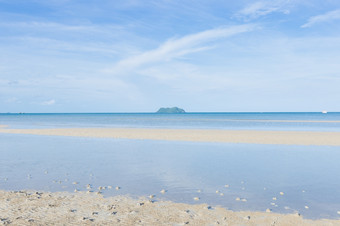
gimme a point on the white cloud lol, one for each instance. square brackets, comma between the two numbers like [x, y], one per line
[329, 16]
[13, 100]
[174, 48]
[48, 102]
[52, 26]
[262, 8]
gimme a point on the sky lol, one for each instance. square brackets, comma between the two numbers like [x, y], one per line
[200, 55]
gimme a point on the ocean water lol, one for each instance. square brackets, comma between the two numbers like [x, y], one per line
[307, 175]
[245, 121]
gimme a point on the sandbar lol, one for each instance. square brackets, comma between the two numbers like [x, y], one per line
[200, 135]
[80, 208]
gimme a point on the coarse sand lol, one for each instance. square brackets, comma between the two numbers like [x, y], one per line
[80, 208]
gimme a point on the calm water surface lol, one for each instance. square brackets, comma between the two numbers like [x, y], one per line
[268, 121]
[308, 175]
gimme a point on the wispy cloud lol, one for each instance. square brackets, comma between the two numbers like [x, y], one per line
[13, 100]
[262, 8]
[174, 48]
[48, 102]
[329, 16]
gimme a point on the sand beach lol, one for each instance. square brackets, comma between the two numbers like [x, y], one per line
[83, 208]
[200, 135]
[62, 208]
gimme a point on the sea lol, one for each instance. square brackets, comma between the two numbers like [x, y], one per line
[255, 177]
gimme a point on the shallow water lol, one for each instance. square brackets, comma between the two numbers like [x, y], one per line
[254, 172]
[308, 121]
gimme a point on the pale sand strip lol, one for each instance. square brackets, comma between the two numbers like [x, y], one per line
[226, 136]
[45, 208]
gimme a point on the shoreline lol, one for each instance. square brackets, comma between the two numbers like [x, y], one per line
[194, 135]
[33, 207]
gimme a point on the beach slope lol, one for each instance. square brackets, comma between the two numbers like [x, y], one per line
[45, 208]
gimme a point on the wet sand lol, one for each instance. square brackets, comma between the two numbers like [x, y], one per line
[201, 135]
[45, 208]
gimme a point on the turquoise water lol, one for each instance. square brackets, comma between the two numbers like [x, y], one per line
[252, 121]
[308, 175]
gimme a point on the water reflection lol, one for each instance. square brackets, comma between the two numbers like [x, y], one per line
[255, 174]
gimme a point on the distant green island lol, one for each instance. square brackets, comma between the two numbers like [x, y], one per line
[173, 110]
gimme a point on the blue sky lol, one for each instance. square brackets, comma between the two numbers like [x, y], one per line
[137, 56]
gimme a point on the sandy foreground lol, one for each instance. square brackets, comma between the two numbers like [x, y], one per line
[45, 208]
[202, 135]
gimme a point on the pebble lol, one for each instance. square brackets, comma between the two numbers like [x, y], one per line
[217, 191]
[221, 194]
[109, 187]
[237, 199]
[281, 193]
[76, 190]
[88, 186]
[75, 182]
[226, 186]
[244, 200]
[151, 196]
[268, 210]
[273, 204]
[338, 212]
[163, 191]
[199, 191]
[117, 188]
[274, 198]
[306, 207]
[196, 198]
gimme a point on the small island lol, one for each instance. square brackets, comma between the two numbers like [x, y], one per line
[173, 110]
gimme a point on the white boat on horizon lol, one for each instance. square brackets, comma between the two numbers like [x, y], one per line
[324, 112]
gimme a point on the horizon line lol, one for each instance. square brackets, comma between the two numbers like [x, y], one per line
[189, 112]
